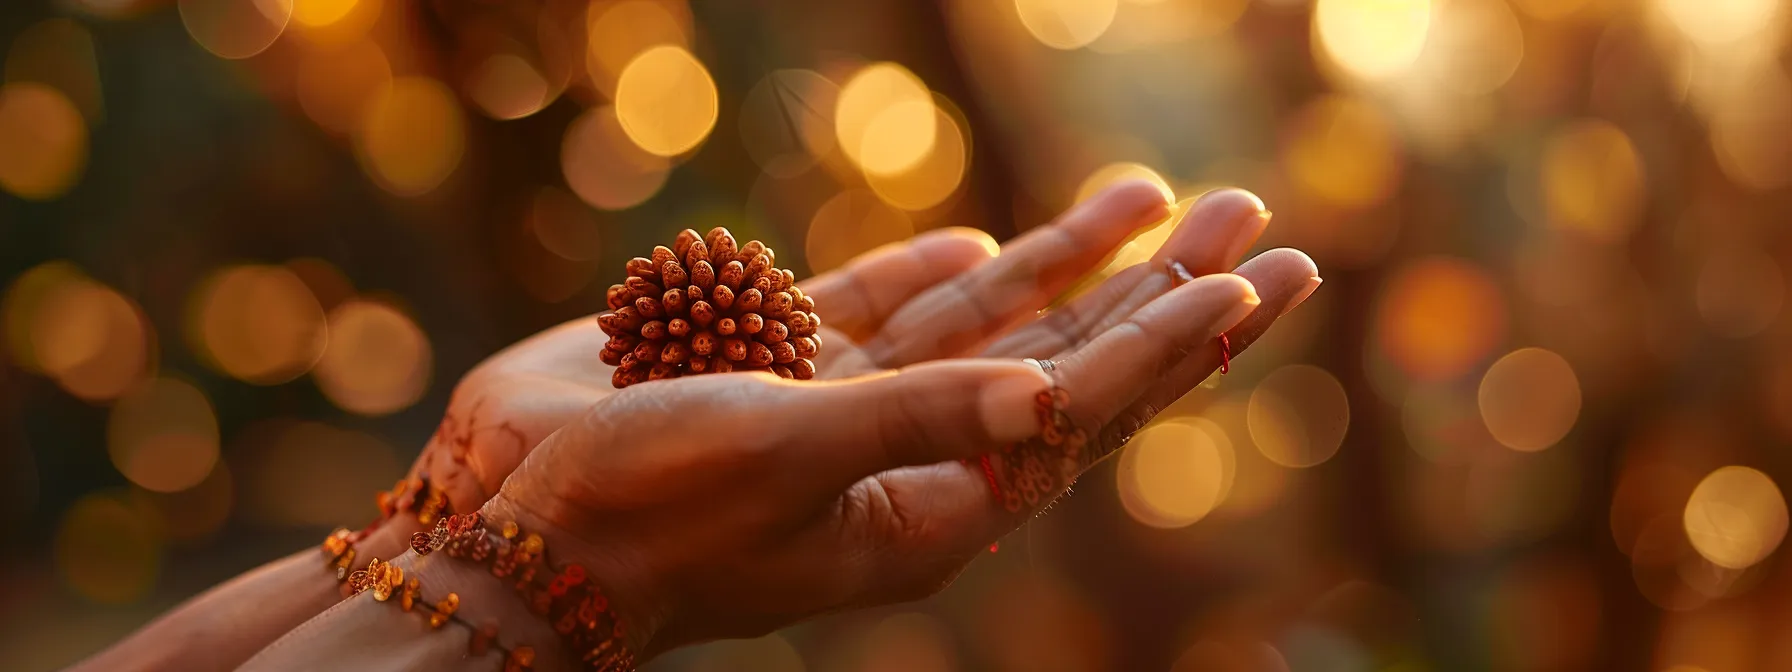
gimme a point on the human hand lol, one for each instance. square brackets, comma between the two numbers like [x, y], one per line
[727, 506]
[886, 308]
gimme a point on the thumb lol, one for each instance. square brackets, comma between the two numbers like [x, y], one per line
[925, 414]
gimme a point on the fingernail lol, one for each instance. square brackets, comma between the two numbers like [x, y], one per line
[1179, 274]
[1008, 404]
[1247, 233]
[1247, 305]
[1301, 296]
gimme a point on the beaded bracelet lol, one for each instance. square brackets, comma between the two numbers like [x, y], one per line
[385, 580]
[413, 496]
[571, 600]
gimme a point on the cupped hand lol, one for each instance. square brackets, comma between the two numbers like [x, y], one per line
[937, 295]
[728, 506]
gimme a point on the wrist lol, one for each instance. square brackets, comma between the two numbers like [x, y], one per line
[623, 584]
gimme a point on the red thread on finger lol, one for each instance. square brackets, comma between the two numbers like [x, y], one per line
[1225, 355]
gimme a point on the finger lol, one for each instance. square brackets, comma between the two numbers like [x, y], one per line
[1284, 279]
[1119, 364]
[951, 503]
[919, 415]
[959, 314]
[861, 295]
[1218, 227]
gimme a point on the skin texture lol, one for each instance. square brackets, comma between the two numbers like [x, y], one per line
[721, 506]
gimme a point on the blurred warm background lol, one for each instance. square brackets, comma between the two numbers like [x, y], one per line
[1535, 420]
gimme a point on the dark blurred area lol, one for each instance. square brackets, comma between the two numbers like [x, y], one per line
[1534, 420]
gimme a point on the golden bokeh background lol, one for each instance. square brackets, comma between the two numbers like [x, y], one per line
[1534, 420]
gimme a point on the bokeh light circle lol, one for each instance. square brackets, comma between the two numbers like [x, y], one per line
[884, 119]
[1592, 180]
[1298, 416]
[507, 86]
[95, 342]
[666, 101]
[1736, 517]
[1172, 474]
[1529, 399]
[259, 324]
[604, 167]
[378, 360]
[1372, 38]
[935, 177]
[45, 141]
[1066, 24]
[108, 551]
[163, 435]
[411, 136]
[235, 29]
[336, 84]
[1438, 317]
[787, 121]
[319, 13]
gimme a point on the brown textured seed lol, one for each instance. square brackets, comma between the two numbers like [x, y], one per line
[647, 307]
[610, 323]
[805, 347]
[758, 355]
[623, 343]
[722, 246]
[756, 267]
[703, 343]
[661, 255]
[732, 274]
[629, 319]
[683, 242]
[734, 349]
[753, 248]
[642, 267]
[778, 305]
[782, 352]
[649, 351]
[626, 377]
[773, 332]
[695, 252]
[708, 303]
[702, 314]
[673, 274]
[748, 301]
[703, 275]
[675, 302]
